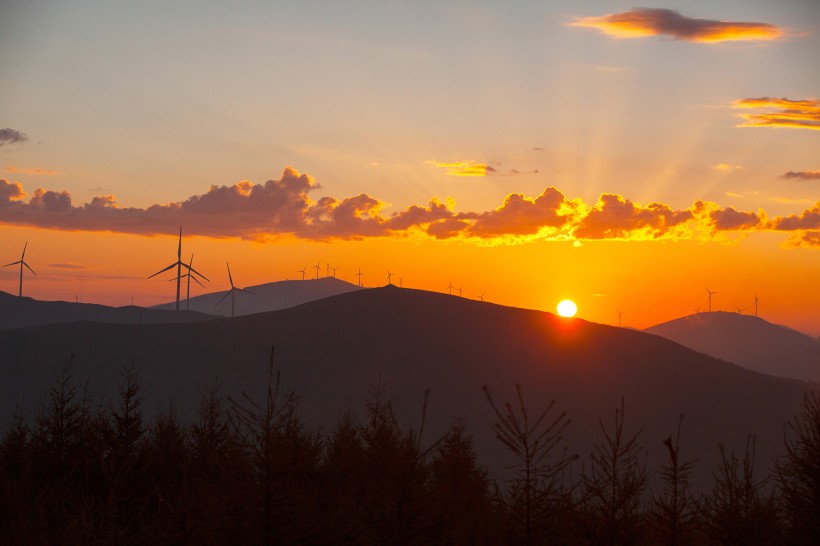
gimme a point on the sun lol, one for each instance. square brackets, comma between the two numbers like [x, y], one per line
[567, 308]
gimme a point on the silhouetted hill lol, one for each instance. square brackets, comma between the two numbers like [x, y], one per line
[334, 351]
[22, 312]
[748, 341]
[271, 296]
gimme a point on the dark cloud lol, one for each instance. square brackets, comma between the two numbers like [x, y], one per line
[11, 136]
[729, 219]
[801, 175]
[10, 191]
[520, 215]
[641, 22]
[805, 239]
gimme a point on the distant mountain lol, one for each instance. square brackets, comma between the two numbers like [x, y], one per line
[16, 312]
[271, 296]
[747, 341]
[335, 351]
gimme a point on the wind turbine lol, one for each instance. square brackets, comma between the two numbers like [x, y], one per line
[318, 266]
[179, 264]
[188, 290]
[710, 298]
[302, 271]
[620, 314]
[740, 310]
[360, 275]
[450, 288]
[22, 262]
[481, 297]
[334, 270]
[389, 276]
[459, 290]
[755, 304]
[232, 292]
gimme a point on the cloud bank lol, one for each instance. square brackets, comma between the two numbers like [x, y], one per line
[794, 114]
[283, 208]
[641, 22]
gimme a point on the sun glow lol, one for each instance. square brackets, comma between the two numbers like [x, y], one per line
[567, 308]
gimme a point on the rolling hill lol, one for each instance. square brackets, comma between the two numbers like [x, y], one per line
[18, 312]
[333, 352]
[748, 341]
[270, 296]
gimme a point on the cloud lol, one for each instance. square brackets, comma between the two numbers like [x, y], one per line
[614, 217]
[283, 207]
[471, 168]
[46, 172]
[801, 175]
[640, 22]
[804, 239]
[67, 266]
[726, 168]
[11, 136]
[808, 219]
[795, 114]
[10, 191]
[462, 168]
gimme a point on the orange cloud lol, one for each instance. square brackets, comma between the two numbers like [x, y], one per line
[462, 168]
[804, 239]
[796, 114]
[614, 217]
[801, 175]
[13, 169]
[640, 22]
[283, 207]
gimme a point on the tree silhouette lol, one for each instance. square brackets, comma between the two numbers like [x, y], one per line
[798, 474]
[536, 495]
[674, 510]
[613, 487]
[738, 511]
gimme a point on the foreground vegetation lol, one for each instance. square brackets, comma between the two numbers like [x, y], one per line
[252, 472]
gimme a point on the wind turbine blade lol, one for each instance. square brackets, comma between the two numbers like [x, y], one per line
[197, 281]
[228, 293]
[179, 248]
[246, 291]
[23, 257]
[229, 274]
[192, 270]
[173, 265]
[13, 263]
[30, 269]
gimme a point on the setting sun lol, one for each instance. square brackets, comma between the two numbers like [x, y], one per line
[567, 308]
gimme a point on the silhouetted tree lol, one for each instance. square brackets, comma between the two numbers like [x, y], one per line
[798, 474]
[537, 500]
[15, 481]
[674, 510]
[343, 473]
[738, 511]
[460, 502]
[286, 456]
[613, 487]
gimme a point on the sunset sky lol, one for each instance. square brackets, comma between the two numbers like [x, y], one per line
[627, 158]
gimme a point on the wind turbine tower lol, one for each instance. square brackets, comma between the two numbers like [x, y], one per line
[179, 264]
[620, 314]
[232, 292]
[318, 267]
[755, 304]
[710, 298]
[22, 262]
[190, 267]
[360, 275]
[389, 277]
[302, 271]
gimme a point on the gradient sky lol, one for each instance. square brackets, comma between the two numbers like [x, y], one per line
[626, 158]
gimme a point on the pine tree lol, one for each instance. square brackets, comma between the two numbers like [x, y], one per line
[798, 474]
